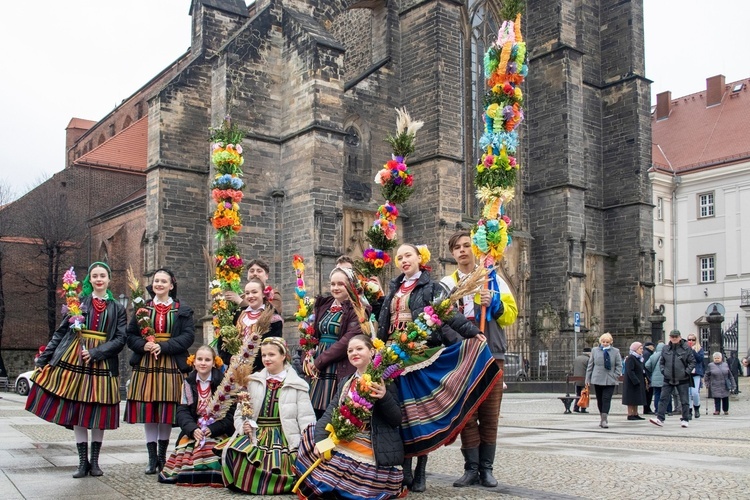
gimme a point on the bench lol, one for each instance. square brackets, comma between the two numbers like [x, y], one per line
[567, 400]
[4, 384]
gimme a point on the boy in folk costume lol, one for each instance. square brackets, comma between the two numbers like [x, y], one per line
[479, 437]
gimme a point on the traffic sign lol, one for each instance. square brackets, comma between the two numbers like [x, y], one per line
[577, 322]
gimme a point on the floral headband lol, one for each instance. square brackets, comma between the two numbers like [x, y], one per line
[218, 362]
[268, 293]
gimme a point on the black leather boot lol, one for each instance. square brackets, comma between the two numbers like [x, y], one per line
[471, 468]
[152, 461]
[83, 460]
[419, 484]
[486, 460]
[408, 476]
[96, 447]
[162, 460]
[697, 412]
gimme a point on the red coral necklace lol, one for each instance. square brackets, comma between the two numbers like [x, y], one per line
[99, 304]
[161, 316]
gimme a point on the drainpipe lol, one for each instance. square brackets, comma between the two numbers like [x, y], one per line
[676, 181]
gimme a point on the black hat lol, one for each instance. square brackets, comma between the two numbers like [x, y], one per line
[675, 333]
[586, 349]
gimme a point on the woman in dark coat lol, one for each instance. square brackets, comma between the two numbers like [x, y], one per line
[159, 365]
[346, 474]
[634, 381]
[77, 385]
[453, 375]
[720, 383]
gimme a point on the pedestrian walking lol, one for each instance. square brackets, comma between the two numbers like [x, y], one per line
[603, 372]
[677, 362]
[720, 383]
[634, 381]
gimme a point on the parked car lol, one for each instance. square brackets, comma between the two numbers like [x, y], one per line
[513, 368]
[24, 383]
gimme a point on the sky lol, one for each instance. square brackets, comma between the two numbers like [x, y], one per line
[80, 58]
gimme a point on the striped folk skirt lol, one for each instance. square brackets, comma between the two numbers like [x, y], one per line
[324, 387]
[262, 469]
[74, 393]
[189, 465]
[350, 474]
[154, 392]
[439, 394]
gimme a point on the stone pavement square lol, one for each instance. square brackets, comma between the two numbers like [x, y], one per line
[542, 453]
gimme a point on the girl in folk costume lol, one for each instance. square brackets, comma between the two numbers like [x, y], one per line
[365, 467]
[461, 374]
[337, 320]
[159, 362]
[258, 297]
[270, 418]
[193, 462]
[78, 383]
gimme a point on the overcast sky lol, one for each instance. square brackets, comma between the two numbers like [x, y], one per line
[80, 58]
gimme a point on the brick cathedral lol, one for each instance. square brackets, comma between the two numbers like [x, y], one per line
[315, 84]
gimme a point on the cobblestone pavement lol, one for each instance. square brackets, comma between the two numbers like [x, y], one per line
[542, 453]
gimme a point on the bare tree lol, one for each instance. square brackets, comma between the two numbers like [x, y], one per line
[57, 228]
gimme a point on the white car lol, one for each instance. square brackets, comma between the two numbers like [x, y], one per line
[24, 383]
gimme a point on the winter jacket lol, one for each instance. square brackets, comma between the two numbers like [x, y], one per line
[580, 363]
[384, 426]
[107, 350]
[653, 367]
[182, 337]
[336, 353]
[423, 294]
[187, 414]
[677, 362]
[633, 382]
[717, 378]
[700, 367]
[596, 374]
[295, 409]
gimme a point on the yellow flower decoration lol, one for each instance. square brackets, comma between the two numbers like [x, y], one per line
[378, 344]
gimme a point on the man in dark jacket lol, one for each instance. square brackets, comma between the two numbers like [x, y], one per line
[677, 362]
[580, 363]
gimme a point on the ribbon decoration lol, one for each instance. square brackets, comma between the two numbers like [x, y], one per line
[324, 447]
[204, 422]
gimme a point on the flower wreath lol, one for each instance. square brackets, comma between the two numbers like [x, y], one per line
[218, 362]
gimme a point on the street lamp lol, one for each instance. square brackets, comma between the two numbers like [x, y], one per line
[123, 300]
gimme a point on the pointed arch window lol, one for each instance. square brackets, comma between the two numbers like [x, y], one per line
[481, 24]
